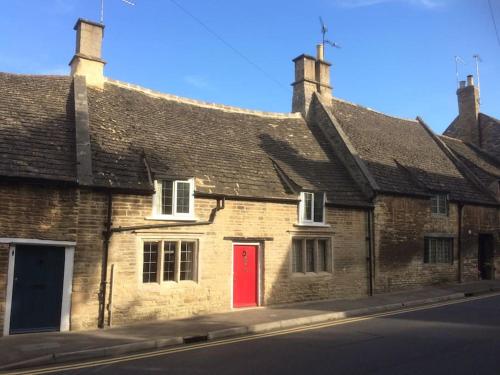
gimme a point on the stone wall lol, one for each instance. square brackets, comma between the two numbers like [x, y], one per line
[134, 300]
[478, 220]
[401, 223]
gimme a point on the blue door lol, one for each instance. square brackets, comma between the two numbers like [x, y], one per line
[37, 289]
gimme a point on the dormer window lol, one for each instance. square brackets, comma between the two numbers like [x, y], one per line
[312, 208]
[439, 204]
[173, 199]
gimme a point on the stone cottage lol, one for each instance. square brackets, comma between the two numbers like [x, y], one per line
[120, 204]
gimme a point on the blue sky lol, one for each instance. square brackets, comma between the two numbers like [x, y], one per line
[397, 56]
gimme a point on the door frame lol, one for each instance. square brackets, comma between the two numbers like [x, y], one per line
[69, 249]
[480, 256]
[258, 245]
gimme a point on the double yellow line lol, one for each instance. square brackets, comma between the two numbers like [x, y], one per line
[180, 349]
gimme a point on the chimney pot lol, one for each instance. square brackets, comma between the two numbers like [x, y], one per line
[470, 80]
[320, 53]
[462, 84]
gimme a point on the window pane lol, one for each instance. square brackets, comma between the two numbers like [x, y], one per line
[297, 261]
[150, 257]
[322, 256]
[443, 204]
[187, 260]
[182, 197]
[438, 250]
[309, 255]
[166, 197]
[318, 207]
[169, 250]
[308, 206]
[434, 204]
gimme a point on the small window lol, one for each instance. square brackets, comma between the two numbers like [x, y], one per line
[187, 260]
[439, 204]
[174, 199]
[438, 250]
[150, 264]
[297, 260]
[169, 251]
[311, 255]
[312, 208]
[177, 262]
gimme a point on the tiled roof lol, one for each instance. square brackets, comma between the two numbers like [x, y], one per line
[485, 166]
[229, 151]
[490, 134]
[401, 155]
[37, 127]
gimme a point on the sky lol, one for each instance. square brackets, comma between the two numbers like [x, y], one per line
[397, 56]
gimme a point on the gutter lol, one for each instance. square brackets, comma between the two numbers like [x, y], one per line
[221, 203]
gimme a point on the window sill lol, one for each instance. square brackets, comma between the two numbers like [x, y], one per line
[442, 216]
[314, 225]
[170, 218]
[310, 275]
[169, 284]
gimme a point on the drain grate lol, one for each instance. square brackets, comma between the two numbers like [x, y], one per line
[193, 339]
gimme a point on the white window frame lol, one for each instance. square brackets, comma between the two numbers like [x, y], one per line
[329, 255]
[175, 215]
[438, 206]
[177, 267]
[302, 210]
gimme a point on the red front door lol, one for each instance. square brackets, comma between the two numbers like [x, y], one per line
[245, 275]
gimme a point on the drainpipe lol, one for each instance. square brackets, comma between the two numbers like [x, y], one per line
[104, 271]
[370, 259]
[459, 239]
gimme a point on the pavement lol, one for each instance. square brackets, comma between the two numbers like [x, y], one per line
[30, 350]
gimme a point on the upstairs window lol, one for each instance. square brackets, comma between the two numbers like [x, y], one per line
[312, 208]
[174, 199]
[439, 204]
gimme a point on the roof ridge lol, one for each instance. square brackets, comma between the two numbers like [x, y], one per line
[201, 103]
[491, 117]
[373, 110]
[35, 75]
[452, 138]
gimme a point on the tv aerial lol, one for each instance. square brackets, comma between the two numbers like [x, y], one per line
[128, 2]
[324, 30]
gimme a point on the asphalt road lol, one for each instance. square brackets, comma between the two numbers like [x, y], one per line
[459, 338]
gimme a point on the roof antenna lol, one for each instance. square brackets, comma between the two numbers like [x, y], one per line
[478, 60]
[458, 59]
[102, 8]
[324, 30]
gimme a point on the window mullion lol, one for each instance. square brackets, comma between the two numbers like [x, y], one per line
[174, 198]
[304, 256]
[312, 207]
[160, 261]
[177, 275]
[316, 255]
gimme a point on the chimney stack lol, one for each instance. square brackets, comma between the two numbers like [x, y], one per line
[311, 75]
[87, 60]
[468, 111]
